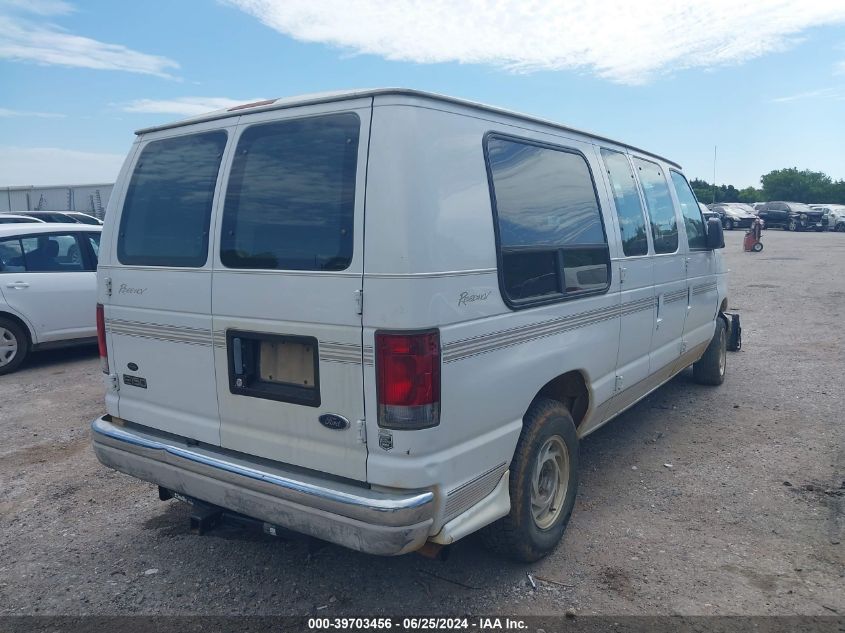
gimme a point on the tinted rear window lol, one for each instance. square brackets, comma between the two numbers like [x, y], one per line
[167, 212]
[290, 203]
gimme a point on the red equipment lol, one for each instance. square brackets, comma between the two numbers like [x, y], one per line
[752, 242]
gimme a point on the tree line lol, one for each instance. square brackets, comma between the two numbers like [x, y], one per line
[781, 184]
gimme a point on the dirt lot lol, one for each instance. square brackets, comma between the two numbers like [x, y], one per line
[747, 520]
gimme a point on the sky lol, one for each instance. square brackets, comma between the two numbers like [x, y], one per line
[762, 81]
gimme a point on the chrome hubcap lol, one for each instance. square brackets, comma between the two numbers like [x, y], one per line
[549, 482]
[723, 353]
[8, 346]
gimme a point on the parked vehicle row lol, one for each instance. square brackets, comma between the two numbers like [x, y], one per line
[789, 216]
[62, 217]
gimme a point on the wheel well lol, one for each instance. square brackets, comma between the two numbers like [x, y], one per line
[570, 389]
[723, 307]
[19, 321]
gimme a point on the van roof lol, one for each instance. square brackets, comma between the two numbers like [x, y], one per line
[344, 95]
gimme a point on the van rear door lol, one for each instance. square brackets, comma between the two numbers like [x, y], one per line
[286, 290]
[158, 316]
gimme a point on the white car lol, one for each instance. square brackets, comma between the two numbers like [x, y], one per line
[11, 218]
[48, 288]
[835, 214]
[412, 372]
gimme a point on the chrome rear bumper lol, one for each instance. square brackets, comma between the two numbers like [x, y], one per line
[355, 517]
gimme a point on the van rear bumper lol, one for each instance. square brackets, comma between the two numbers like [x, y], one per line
[367, 520]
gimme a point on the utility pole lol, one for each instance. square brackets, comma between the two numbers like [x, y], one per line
[714, 174]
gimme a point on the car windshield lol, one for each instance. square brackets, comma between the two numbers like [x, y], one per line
[800, 207]
[743, 207]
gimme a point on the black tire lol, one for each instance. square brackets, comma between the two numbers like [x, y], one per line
[794, 226]
[758, 246]
[710, 368]
[840, 228]
[729, 224]
[12, 335]
[518, 535]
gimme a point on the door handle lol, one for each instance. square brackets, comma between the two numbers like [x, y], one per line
[18, 285]
[659, 310]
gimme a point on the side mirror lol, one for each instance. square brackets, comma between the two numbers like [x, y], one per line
[715, 236]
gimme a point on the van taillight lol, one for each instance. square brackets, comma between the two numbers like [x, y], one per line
[408, 379]
[101, 338]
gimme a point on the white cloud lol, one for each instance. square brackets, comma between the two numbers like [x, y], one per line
[55, 166]
[623, 41]
[5, 112]
[27, 41]
[39, 7]
[185, 106]
[821, 93]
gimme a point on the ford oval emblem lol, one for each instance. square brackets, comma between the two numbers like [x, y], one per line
[334, 422]
[132, 366]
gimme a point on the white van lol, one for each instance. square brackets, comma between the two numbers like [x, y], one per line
[385, 318]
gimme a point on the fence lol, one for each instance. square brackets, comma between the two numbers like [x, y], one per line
[92, 199]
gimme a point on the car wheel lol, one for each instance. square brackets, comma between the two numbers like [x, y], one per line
[543, 484]
[758, 246]
[840, 228]
[710, 368]
[729, 225]
[14, 346]
[793, 226]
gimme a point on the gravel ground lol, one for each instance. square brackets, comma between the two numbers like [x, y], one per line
[747, 520]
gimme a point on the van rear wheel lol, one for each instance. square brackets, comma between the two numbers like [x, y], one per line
[543, 484]
[710, 368]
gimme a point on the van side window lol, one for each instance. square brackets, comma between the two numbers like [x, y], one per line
[290, 204]
[664, 224]
[551, 237]
[629, 208]
[167, 211]
[691, 212]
